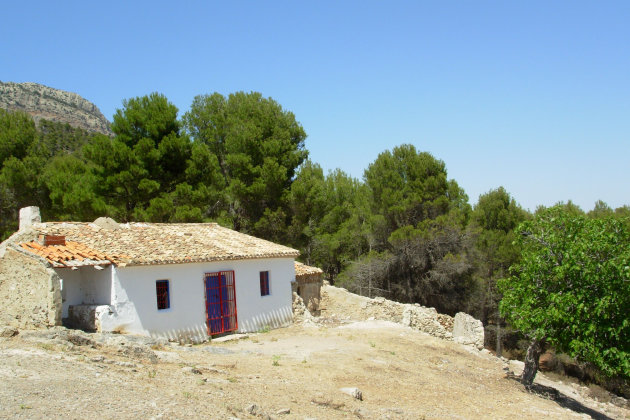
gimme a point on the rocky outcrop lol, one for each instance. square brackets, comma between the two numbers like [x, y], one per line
[43, 102]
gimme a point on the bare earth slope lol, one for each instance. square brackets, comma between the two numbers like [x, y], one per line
[54, 105]
[289, 373]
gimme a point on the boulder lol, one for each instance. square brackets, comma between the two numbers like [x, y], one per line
[353, 392]
[468, 330]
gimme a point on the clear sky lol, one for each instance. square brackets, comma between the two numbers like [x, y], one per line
[532, 95]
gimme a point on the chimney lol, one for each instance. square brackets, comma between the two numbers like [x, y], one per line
[54, 240]
[29, 216]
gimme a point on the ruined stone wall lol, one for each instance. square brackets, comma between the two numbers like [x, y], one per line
[29, 291]
[308, 286]
[411, 315]
[310, 294]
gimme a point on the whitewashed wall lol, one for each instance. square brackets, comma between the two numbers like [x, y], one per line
[86, 285]
[134, 307]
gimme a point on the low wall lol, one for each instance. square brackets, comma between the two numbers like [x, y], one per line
[30, 292]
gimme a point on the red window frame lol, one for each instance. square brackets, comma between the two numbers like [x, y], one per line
[162, 294]
[264, 283]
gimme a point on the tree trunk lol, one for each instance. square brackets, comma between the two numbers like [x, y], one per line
[499, 350]
[531, 362]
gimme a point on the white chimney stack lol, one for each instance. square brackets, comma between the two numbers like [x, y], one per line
[29, 216]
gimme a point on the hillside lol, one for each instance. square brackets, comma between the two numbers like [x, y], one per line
[290, 373]
[43, 102]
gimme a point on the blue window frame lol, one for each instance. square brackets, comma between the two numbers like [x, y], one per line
[264, 283]
[162, 293]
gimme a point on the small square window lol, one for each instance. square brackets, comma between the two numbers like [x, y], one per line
[264, 283]
[162, 293]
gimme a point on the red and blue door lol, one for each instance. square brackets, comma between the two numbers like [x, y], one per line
[220, 302]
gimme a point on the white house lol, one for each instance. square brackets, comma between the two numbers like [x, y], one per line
[181, 281]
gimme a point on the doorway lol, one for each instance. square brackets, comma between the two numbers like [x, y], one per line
[220, 302]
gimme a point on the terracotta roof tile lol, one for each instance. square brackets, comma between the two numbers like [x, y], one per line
[153, 243]
[72, 254]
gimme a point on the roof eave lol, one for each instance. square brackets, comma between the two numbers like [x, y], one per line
[140, 262]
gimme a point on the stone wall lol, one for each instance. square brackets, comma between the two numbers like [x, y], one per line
[411, 315]
[310, 293]
[308, 287]
[463, 328]
[30, 292]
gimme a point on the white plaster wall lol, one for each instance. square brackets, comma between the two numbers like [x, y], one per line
[134, 307]
[86, 285]
[273, 310]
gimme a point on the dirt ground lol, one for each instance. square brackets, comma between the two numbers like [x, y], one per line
[289, 373]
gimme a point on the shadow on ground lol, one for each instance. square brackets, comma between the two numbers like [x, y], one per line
[564, 401]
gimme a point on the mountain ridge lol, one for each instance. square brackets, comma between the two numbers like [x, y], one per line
[44, 102]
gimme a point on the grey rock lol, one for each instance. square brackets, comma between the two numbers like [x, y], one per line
[253, 409]
[191, 369]
[362, 413]
[138, 352]
[218, 350]
[353, 392]
[80, 339]
[8, 332]
[126, 364]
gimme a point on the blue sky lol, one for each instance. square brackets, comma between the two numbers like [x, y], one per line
[533, 96]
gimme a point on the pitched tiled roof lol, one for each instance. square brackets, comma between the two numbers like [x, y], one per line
[154, 243]
[303, 269]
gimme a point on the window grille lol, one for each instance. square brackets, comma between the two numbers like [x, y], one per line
[264, 283]
[162, 293]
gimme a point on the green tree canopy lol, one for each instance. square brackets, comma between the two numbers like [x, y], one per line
[600, 210]
[332, 223]
[259, 147]
[150, 117]
[149, 171]
[494, 218]
[571, 289]
[419, 247]
[17, 134]
[408, 186]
